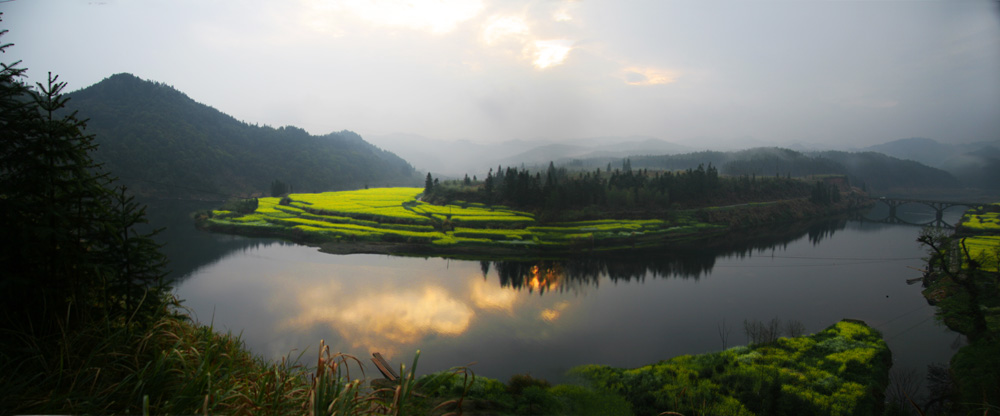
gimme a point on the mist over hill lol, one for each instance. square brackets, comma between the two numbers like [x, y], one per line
[974, 164]
[160, 142]
[900, 166]
[456, 158]
[876, 172]
[937, 165]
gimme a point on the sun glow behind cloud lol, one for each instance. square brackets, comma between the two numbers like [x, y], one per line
[549, 53]
[499, 28]
[514, 35]
[562, 15]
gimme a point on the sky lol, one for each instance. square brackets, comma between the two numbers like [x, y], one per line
[780, 71]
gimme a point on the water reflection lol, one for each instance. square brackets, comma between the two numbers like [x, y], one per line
[545, 316]
[381, 320]
[574, 274]
[488, 296]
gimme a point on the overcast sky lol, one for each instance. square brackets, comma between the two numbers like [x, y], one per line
[807, 71]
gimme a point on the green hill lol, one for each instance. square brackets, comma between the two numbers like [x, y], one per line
[160, 142]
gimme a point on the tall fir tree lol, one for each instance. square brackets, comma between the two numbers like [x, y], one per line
[71, 253]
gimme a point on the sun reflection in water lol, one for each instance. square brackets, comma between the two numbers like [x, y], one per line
[544, 278]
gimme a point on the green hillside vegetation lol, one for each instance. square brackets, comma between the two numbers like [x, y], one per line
[556, 194]
[974, 164]
[160, 142]
[871, 171]
[963, 280]
[842, 370]
[888, 175]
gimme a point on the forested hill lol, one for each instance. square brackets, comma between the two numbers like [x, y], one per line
[879, 173]
[160, 142]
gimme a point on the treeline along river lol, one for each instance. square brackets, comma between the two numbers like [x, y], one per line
[546, 316]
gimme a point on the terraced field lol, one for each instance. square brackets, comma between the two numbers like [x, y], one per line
[988, 222]
[982, 230]
[397, 216]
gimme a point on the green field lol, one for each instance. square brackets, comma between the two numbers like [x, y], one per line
[985, 249]
[985, 222]
[980, 228]
[396, 215]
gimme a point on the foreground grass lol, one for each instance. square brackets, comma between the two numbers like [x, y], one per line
[395, 215]
[180, 367]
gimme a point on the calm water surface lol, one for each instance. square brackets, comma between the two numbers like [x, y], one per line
[545, 317]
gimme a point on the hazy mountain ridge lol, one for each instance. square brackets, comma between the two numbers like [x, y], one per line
[879, 173]
[974, 164]
[160, 142]
[460, 157]
[877, 170]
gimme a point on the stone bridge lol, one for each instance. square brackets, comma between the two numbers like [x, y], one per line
[939, 208]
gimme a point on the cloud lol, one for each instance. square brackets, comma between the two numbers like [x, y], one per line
[562, 15]
[647, 76]
[499, 28]
[435, 16]
[549, 53]
[514, 35]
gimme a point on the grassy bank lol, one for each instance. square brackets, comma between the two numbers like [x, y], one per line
[181, 367]
[394, 220]
[841, 370]
[963, 281]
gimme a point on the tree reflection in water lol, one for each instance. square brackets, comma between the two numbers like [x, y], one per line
[687, 262]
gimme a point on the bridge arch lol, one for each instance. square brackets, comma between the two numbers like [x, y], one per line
[939, 208]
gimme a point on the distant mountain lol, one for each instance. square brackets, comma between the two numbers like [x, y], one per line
[448, 158]
[927, 151]
[973, 164]
[978, 169]
[878, 172]
[886, 174]
[603, 147]
[160, 142]
[457, 158]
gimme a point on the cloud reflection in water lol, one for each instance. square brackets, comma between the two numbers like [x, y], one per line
[380, 320]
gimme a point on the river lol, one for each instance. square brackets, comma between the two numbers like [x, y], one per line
[546, 317]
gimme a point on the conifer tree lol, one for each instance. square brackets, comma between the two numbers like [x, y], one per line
[428, 184]
[70, 254]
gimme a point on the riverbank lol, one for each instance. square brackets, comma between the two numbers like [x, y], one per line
[963, 281]
[183, 367]
[394, 221]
